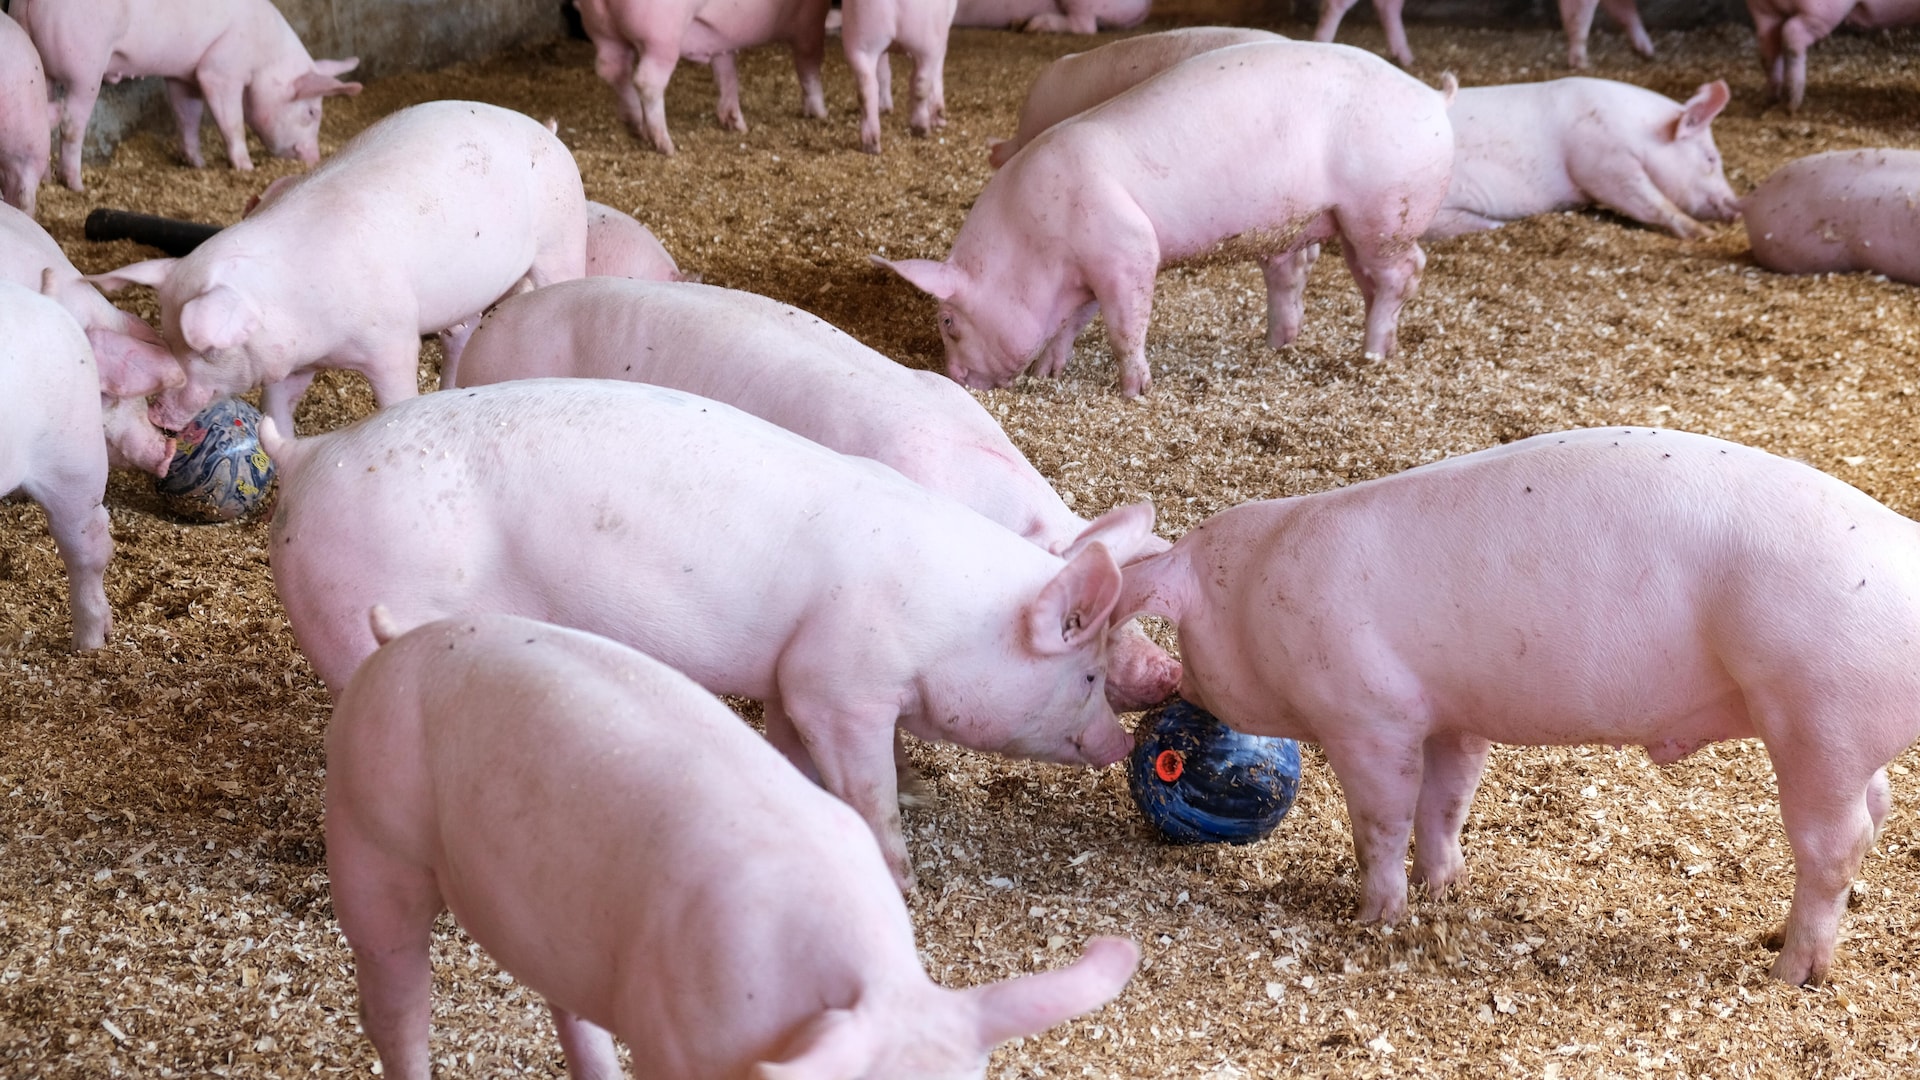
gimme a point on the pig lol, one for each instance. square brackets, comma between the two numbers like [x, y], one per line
[1191, 166]
[793, 369]
[723, 917]
[1785, 29]
[129, 356]
[637, 44]
[1624, 586]
[1576, 16]
[1839, 212]
[618, 246]
[415, 225]
[1078, 81]
[1534, 148]
[237, 59]
[50, 445]
[843, 596]
[1053, 16]
[917, 28]
[25, 140]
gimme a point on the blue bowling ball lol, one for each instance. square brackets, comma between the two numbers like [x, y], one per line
[1201, 782]
[219, 470]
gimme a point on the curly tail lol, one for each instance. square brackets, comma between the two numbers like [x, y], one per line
[1449, 86]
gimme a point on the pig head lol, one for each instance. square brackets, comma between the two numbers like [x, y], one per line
[285, 112]
[217, 332]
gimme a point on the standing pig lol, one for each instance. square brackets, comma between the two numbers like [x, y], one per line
[1534, 148]
[1247, 152]
[723, 917]
[618, 246]
[843, 596]
[1053, 16]
[792, 369]
[1600, 586]
[637, 44]
[25, 141]
[1838, 212]
[131, 360]
[915, 27]
[419, 223]
[235, 58]
[50, 445]
[1785, 29]
[1078, 81]
[1576, 16]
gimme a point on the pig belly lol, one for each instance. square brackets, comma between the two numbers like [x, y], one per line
[727, 25]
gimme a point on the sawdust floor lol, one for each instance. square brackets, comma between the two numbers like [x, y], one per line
[163, 897]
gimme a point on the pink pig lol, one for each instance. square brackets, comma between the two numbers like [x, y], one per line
[917, 28]
[1053, 16]
[1533, 148]
[1078, 81]
[419, 223]
[1247, 152]
[50, 445]
[25, 141]
[638, 43]
[618, 246]
[131, 360]
[843, 596]
[721, 915]
[1599, 586]
[1838, 212]
[235, 58]
[793, 369]
[1786, 29]
[1576, 16]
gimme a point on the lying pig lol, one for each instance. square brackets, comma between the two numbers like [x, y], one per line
[1840, 211]
[638, 43]
[1600, 586]
[723, 917]
[235, 58]
[1053, 16]
[618, 246]
[792, 369]
[50, 445]
[1576, 16]
[1785, 29]
[917, 28]
[843, 596]
[1078, 81]
[25, 142]
[128, 356]
[1534, 148]
[1246, 152]
[414, 226]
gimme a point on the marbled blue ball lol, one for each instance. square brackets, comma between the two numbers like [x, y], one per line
[1201, 782]
[219, 471]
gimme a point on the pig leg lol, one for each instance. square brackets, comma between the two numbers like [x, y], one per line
[884, 69]
[224, 97]
[279, 399]
[80, 530]
[1639, 199]
[853, 749]
[914, 790]
[614, 61]
[1798, 35]
[76, 110]
[1627, 14]
[787, 739]
[1449, 777]
[1830, 824]
[1396, 28]
[809, 51]
[1576, 18]
[588, 1047]
[1122, 282]
[1053, 359]
[386, 908]
[1079, 18]
[650, 75]
[1286, 276]
[1387, 282]
[929, 95]
[1766, 35]
[1379, 773]
[727, 78]
[866, 76]
[1331, 12]
[188, 106]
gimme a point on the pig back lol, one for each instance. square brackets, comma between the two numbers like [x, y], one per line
[1837, 212]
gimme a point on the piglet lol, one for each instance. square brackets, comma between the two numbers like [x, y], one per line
[235, 58]
[846, 598]
[1053, 16]
[619, 246]
[131, 360]
[625, 847]
[791, 368]
[25, 141]
[1576, 17]
[1599, 586]
[419, 223]
[1256, 152]
[917, 28]
[638, 43]
[1840, 211]
[50, 445]
[1785, 29]
[1534, 148]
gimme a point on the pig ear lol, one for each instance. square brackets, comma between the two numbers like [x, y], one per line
[834, 1046]
[1074, 608]
[319, 84]
[1032, 1004]
[336, 67]
[131, 367]
[1124, 529]
[219, 318]
[1701, 108]
[937, 279]
[152, 272]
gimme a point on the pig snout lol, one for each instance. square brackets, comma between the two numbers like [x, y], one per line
[1140, 674]
[1103, 742]
[176, 408]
